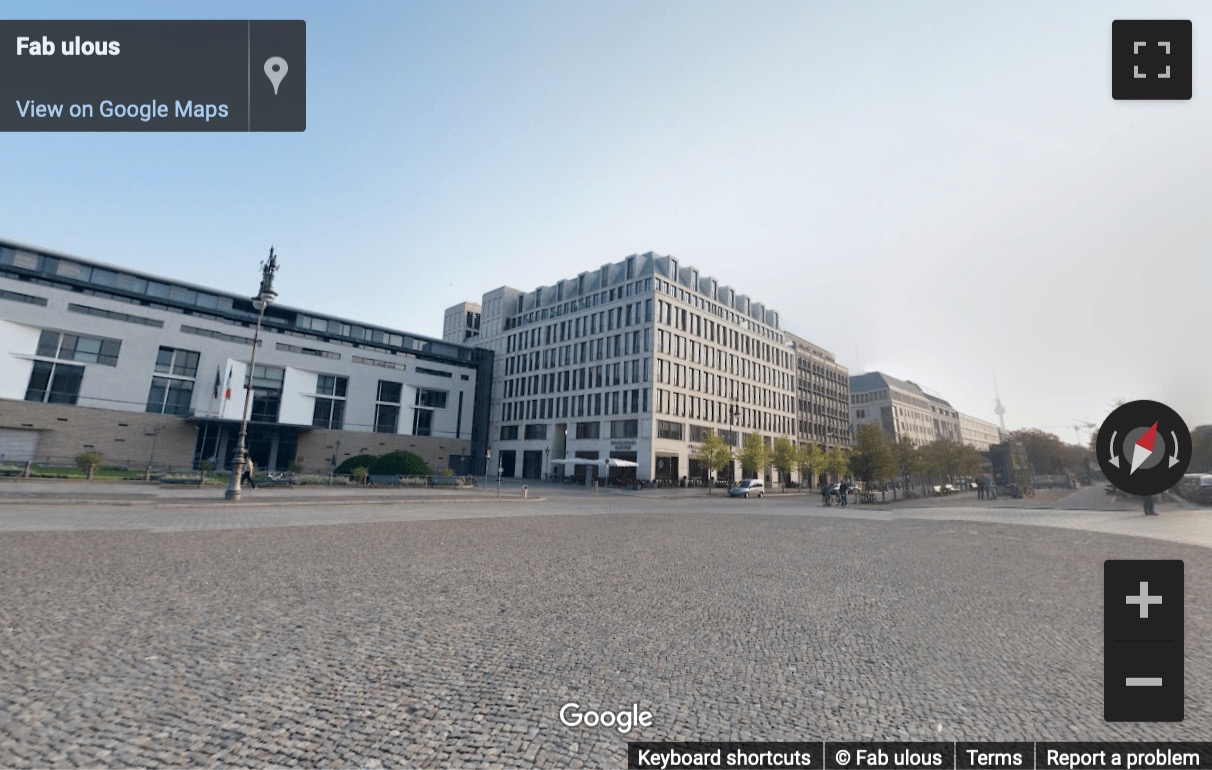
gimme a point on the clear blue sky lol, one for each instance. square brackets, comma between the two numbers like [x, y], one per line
[939, 190]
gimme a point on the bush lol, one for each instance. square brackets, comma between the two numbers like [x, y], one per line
[358, 461]
[90, 462]
[295, 467]
[399, 463]
[359, 474]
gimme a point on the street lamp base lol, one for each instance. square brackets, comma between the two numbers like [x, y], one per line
[233, 495]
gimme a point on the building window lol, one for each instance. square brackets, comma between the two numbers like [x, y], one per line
[181, 363]
[54, 383]
[267, 392]
[387, 411]
[170, 396]
[536, 431]
[330, 412]
[624, 428]
[422, 422]
[435, 399]
[589, 430]
[509, 433]
[670, 430]
[74, 347]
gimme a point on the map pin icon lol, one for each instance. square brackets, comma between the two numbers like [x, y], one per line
[275, 70]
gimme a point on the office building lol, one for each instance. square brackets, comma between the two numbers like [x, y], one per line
[623, 370]
[146, 369]
[822, 396]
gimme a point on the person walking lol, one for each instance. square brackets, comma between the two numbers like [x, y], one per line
[249, 470]
[980, 489]
[1149, 506]
[843, 490]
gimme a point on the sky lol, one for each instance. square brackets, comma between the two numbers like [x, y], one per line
[943, 191]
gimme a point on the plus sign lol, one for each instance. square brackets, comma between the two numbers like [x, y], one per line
[1144, 600]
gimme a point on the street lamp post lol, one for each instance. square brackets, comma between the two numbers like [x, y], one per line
[732, 411]
[152, 454]
[265, 296]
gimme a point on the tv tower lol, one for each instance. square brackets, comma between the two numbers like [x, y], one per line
[998, 409]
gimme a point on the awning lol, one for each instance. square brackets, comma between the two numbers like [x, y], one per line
[609, 462]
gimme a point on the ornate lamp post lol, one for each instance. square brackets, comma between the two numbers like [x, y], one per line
[265, 296]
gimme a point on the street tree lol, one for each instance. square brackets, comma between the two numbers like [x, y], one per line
[810, 460]
[754, 455]
[836, 463]
[783, 458]
[908, 460]
[1046, 452]
[714, 454]
[873, 458]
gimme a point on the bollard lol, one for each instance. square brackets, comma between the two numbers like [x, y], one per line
[525, 491]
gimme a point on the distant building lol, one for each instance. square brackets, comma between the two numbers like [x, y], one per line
[945, 417]
[150, 370]
[822, 396]
[978, 433]
[898, 406]
[624, 370]
[904, 408]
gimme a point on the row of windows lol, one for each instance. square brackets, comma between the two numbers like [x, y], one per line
[582, 430]
[574, 305]
[718, 411]
[114, 316]
[710, 331]
[718, 358]
[700, 302]
[588, 405]
[710, 383]
[621, 317]
[630, 372]
[613, 346]
[306, 351]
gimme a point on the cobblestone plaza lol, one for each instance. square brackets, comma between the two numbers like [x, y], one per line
[430, 633]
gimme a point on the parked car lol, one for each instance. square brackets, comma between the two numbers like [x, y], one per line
[748, 488]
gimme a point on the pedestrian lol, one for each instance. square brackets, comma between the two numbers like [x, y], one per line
[1149, 506]
[249, 470]
[980, 489]
[843, 490]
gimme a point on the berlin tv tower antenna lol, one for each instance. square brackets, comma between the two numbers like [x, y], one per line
[998, 409]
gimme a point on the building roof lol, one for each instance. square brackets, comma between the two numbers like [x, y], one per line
[862, 383]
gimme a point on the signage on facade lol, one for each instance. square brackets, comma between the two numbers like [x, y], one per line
[621, 444]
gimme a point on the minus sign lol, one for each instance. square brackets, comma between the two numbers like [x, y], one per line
[1143, 641]
[1144, 681]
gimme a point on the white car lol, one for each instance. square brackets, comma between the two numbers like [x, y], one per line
[748, 488]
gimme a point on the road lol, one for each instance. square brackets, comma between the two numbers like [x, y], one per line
[147, 627]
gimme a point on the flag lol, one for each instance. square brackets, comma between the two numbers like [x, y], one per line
[218, 380]
[227, 394]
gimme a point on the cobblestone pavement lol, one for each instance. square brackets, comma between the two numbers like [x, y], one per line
[454, 641]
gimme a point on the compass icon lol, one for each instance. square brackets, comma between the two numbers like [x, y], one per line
[1144, 447]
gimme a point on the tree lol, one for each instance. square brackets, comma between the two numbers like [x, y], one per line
[836, 463]
[1045, 451]
[783, 458]
[908, 460]
[947, 459]
[873, 457]
[809, 460]
[90, 462]
[714, 453]
[754, 455]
